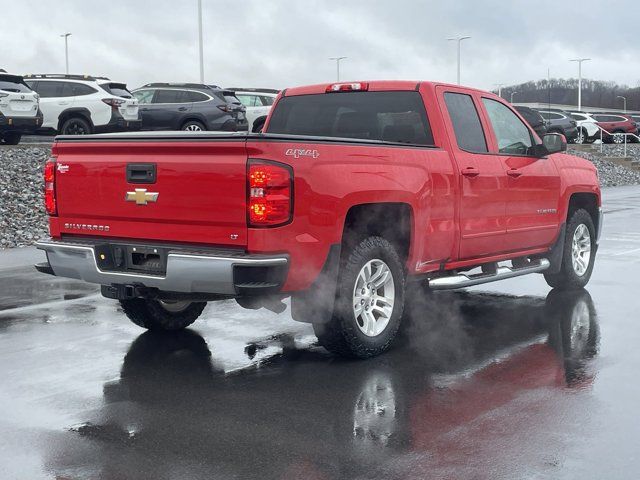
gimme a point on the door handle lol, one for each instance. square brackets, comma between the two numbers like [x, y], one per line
[144, 109]
[470, 172]
[182, 109]
[514, 172]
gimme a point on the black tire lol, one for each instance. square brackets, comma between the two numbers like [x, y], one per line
[75, 126]
[193, 126]
[582, 137]
[258, 124]
[342, 334]
[11, 138]
[159, 316]
[567, 278]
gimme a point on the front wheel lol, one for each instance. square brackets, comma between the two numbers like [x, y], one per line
[162, 314]
[369, 301]
[578, 255]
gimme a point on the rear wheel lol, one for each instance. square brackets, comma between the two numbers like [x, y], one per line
[618, 137]
[162, 314]
[193, 126]
[75, 126]
[578, 253]
[369, 301]
[11, 138]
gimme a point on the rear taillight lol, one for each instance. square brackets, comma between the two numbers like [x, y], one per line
[113, 102]
[270, 193]
[225, 108]
[50, 187]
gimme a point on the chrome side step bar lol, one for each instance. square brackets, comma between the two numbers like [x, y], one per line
[462, 280]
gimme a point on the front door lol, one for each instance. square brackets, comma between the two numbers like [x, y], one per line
[533, 183]
[483, 180]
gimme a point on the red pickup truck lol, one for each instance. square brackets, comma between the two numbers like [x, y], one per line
[352, 191]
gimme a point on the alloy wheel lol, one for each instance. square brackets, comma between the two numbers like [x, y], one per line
[373, 297]
[581, 250]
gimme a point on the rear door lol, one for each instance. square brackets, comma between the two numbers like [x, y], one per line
[533, 183]
[174, 191]
[483, 180]
[168, 108]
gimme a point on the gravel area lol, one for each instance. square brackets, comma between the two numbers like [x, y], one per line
[23, 219]
[612, 174]
[22, 216]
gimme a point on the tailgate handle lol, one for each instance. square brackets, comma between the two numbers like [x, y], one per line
[141, 172]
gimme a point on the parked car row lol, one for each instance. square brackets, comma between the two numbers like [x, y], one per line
[582, 127]
[83, 104]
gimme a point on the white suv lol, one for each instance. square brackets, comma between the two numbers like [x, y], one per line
[258, 102]
[81, 104]
[19, 111]
[588, 132]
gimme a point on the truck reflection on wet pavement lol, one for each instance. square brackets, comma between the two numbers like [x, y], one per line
[427, 406]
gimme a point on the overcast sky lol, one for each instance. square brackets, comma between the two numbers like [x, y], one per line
[280, 43]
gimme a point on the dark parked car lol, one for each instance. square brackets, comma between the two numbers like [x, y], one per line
[534, 119]
[560, 121]
[187, 106]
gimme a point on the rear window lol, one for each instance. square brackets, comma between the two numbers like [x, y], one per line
[231, 99]
[116, 89]
[388, 116]
[609, 118]
[13, 84]
[466, 122]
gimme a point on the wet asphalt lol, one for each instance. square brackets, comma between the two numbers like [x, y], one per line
[508, 380]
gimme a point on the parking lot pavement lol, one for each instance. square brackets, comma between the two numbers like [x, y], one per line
[502, 381]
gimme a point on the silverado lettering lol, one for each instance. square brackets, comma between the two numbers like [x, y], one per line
[430, 183]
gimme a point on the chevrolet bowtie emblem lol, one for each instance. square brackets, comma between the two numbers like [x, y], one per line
[141, 196]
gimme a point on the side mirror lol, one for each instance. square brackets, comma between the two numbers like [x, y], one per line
[554, 143]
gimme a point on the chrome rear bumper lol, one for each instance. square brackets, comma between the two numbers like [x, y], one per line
[207, 271]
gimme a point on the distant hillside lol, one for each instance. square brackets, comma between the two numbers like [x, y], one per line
[594, 93]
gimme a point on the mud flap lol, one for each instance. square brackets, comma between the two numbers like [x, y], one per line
[315, 305]
[557, 251]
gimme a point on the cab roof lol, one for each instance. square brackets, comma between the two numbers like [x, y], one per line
[373, 86]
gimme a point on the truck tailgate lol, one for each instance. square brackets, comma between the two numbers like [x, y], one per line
[198, 194]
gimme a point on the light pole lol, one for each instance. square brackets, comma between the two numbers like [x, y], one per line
[499, 85]
[624, 99]
[66, 51]
[200, 41]
[459, 40]
[512, 94]
[337, 59]
[580, 60]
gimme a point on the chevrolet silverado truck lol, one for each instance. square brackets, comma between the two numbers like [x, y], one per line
[353, 192]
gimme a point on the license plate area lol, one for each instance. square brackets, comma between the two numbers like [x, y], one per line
[132, 258]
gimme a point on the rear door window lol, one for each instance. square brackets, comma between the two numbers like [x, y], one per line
[171, 96]
[267, 101]
[396, 116]
[512, 134]
[466, 122]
